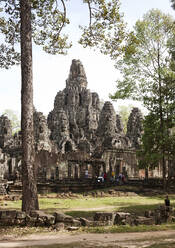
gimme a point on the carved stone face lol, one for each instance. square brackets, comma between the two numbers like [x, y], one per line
[63, 122]
[116, 143]
[76, 70]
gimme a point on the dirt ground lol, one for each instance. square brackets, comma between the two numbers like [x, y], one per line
[124, 240]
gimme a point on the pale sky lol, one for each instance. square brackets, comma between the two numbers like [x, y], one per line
[50, 72]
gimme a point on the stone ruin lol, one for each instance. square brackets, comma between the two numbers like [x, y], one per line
[59, 220]
[78, 135]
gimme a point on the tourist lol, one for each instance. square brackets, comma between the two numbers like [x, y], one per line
[123, 179]
[117, 180]
[120, 177]
[167, 203]
[105, 176]
[86, 173]
[112, 176]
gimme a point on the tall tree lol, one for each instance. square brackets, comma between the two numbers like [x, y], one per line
[42, 21]
[146, 67]
[149, 153]
[28, 170]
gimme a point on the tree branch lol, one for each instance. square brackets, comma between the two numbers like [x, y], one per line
[90, 14]
[64, 16]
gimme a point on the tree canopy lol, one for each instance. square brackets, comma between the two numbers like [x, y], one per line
[146, 57]
[148, 75]
[124, 112]
[173, 4]
[49, 19]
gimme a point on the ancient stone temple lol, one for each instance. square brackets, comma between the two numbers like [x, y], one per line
[74, 120]
[77, 137]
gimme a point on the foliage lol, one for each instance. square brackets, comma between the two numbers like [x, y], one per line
[13, 117]
[8, 52]
[8, 55]
[173, 4]
[147, 68]
[149, 153]
[158, 139]
[124, 112]
[106, 26]
[49, 18]
[146, 57]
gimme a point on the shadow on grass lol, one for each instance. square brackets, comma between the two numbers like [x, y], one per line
[138, 209]
[83, 214]
[133, 209]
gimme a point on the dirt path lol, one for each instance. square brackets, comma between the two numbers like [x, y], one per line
[127, 240]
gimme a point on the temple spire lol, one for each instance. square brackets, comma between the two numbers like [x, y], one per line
[77, 75]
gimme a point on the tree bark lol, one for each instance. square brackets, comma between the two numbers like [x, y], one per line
[29, 191]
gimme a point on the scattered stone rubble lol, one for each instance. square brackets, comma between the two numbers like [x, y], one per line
[59, 220]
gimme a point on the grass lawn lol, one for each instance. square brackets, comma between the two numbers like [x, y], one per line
[87, 205]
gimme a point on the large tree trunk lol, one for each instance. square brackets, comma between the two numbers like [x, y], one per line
[29, 192]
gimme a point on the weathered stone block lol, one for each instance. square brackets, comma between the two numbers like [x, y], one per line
[60, 217]
[20, 222]
[7, 222]
[121, 217]
[59, 226]
[36, 213]
[49, 220]
[7, 214]
[84, 221]
[149, 213]
[31, 221]
[42, 218]
[99, 223]
[145, 221]
[74, 222]
[21, 215]
[40, 222]
[72, 228]
[104, 216]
